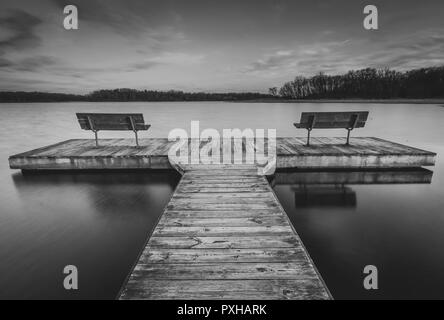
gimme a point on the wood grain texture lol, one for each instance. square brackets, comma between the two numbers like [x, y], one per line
[242, 289]
[234, 242]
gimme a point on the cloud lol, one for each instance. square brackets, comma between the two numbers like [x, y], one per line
[152, 23]
[144, 65]
[168, 58]
[20, 26]
[5, 63]
[35, 63]
[272, 61]
[30, 64]
[417, 50]
[292, 59]
[212, 44]
[130, 18]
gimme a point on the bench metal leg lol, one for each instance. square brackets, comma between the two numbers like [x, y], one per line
[348, 136]
[96, 137]
[308, 137]
[137, 138]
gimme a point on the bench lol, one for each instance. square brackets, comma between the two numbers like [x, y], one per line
[332, 120]
[112, 121]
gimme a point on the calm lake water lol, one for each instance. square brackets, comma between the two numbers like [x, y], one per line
[99, 222]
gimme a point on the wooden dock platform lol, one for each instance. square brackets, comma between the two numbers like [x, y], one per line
[224, 235]
[153, 154]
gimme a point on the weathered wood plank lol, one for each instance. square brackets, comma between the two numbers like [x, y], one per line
[222, 195]
[218, 189]
[240, 181]
[265, 201]
[267, 221]
[202, 214]
[222, 255]
[227, 271]
[228, 167]
[220, 207]
[241, 242]
[148, 288]
[231, 231]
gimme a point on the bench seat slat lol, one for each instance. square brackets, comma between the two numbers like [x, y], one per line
[332, 120]
[112, 121]
[330, 125]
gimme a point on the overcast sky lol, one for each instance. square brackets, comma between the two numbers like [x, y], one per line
[207, 45]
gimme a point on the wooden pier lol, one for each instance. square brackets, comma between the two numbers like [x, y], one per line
[224, 235]
[291, 153]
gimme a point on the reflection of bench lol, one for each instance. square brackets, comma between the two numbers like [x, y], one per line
[317, 196]
[112, 121]
[332, 120]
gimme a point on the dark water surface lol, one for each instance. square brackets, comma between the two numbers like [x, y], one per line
[100, 221]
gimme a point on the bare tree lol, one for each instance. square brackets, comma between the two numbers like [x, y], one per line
[273, 91]
[368, 84]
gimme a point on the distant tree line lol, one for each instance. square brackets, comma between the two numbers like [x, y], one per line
[20, 96]
[368, 84]
[356, 84]
[129, 95]
[172, 95]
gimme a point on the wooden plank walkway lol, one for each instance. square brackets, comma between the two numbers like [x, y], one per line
[291, 153]
[224, 235]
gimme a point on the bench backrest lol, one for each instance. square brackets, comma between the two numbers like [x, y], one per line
[111, 121]
[331, 120]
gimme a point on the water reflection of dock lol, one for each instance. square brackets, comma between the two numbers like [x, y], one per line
[108, 194]
[333, 188]
[324, 196]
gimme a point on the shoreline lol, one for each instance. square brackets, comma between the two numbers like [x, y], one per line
[372, 101]
[376, 101]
